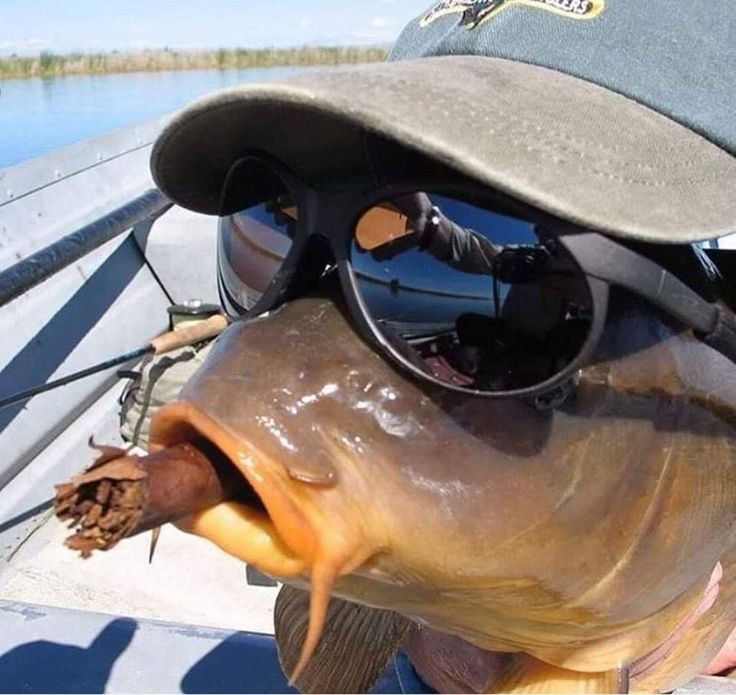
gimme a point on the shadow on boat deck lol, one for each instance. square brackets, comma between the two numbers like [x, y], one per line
[51, 667]
[241, 663]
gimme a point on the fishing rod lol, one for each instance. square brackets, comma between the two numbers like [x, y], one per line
[187, 335]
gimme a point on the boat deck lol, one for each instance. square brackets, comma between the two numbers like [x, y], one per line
[189, 581]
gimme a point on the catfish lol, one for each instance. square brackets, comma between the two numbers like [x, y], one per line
[577, 542]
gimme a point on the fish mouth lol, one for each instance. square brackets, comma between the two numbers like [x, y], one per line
[263, 524]
[273, 524]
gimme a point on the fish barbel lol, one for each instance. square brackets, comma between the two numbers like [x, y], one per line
[578, 538]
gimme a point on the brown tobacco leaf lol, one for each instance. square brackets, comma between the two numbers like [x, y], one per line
[121, 495]
[105, 504]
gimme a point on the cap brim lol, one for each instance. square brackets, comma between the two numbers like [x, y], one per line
[565, 145]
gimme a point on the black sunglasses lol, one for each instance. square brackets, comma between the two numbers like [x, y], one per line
[460, 286]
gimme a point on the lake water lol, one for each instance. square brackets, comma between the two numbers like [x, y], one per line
[39, 115]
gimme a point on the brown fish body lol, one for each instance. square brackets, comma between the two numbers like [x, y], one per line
[582, 536]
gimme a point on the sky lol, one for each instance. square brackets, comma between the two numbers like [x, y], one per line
[28, 27]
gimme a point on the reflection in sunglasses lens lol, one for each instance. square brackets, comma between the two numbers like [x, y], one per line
[468, 295]
[253, 243]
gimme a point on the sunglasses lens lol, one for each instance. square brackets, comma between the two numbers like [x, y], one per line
[467, 295]
[256, 234]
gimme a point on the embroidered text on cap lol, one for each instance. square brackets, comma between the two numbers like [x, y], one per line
[475, 12]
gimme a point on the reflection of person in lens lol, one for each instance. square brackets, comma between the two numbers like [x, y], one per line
[535, 330]
[428, 229]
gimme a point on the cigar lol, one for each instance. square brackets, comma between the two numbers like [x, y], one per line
[121, 495]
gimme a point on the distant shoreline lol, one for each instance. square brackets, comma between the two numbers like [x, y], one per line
[57, 65]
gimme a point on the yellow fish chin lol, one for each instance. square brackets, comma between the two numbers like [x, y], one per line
[248, 534]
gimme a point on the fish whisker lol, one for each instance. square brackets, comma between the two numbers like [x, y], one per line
[322, 581]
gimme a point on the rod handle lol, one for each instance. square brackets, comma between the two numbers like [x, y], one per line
[201, 330]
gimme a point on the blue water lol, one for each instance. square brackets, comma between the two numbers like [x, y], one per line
[38, 115]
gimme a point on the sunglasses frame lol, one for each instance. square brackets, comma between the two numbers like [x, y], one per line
[331, 216]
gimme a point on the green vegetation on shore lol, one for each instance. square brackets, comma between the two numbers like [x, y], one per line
[53, 65]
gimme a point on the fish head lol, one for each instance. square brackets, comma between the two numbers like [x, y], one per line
[581, 535]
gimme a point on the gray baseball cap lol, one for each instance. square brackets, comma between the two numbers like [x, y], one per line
[619, 115]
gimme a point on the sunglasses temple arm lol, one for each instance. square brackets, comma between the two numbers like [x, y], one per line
[723, 336]
[608, 261]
